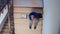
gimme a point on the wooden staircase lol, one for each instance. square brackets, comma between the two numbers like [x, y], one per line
[9, 24]
[6, 29]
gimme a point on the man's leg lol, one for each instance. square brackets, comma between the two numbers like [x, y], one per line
[36, 23]
[30, 24]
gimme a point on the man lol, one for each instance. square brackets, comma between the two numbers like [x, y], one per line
[34, 16]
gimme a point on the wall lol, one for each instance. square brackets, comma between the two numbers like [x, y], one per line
[51, 17]
[28, 3]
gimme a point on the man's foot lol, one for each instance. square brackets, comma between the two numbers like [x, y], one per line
[30, 27]
[34, 27]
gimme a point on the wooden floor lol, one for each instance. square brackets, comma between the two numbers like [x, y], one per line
[23, 28]
[22, 25]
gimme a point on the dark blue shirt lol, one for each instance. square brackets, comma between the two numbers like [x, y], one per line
[36, 15]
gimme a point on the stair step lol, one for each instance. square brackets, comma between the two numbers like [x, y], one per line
[6, 30]
[6, 33]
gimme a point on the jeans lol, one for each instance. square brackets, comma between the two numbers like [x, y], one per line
[35, 23]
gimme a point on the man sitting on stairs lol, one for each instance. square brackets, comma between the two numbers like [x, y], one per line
[34, 17]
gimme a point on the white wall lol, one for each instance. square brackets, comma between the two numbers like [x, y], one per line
[28, 3]
[51, 16]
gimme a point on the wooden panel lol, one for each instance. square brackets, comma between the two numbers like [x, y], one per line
[25, 10]
[22, 25]
[22, 10]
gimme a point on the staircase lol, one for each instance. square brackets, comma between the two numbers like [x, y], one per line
[6, 29]
[9, 24]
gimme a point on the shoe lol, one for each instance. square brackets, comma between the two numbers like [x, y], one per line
[30, 27]
[34, 27]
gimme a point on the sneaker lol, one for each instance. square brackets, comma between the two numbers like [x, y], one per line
[30, 27]
[34, 27]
